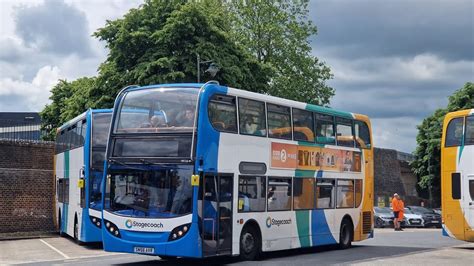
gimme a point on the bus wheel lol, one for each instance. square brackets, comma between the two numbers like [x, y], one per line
[76, 233]
[345, 234]
[249, 243]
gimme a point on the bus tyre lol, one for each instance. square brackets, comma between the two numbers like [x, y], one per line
[59, 225]
[76, 233]
[345, 234]
[250, 243]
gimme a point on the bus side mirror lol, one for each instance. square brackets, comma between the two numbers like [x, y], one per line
[82, 173]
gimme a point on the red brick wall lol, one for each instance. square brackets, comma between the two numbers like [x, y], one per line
[26, 187]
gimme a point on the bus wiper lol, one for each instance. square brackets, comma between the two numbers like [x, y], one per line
[123, 164]
[143, 161]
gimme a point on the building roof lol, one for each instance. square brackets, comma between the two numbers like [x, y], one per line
[19, 118]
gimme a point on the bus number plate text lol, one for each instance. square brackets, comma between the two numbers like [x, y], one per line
[144, 250]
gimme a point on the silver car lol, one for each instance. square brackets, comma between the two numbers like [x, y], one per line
[412, 219]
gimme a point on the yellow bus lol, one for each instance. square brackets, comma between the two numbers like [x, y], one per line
[457, 175]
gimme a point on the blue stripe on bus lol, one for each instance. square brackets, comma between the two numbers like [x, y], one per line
[66, 205]
[86, 225]
[321, 233]
[208, 138]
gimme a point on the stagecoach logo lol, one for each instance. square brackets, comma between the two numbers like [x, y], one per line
[129, 224]
[276, 222]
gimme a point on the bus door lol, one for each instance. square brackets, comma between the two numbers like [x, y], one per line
[470, 199]
[217, 214]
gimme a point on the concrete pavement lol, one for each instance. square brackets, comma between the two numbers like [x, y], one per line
[411, 247]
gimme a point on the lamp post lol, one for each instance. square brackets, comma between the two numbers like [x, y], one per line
[213, 68]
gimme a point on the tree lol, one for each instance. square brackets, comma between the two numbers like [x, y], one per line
[277, 33]
[69, 99]
[427, 163]
[159, 41]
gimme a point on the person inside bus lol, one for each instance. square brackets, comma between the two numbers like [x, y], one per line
[185, 118]
[250, 124]
[158, 121]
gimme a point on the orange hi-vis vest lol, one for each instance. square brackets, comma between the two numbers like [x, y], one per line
[397, 205]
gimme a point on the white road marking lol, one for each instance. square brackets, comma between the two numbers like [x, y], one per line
[55, 249]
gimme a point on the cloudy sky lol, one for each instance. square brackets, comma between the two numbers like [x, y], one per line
[396, 61]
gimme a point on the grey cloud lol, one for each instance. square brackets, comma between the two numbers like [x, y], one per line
[53, 27]
[356, 29]
[10, 50]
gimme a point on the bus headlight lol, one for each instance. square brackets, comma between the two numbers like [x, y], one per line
[179, 232]
[112, 229]
[96, 221]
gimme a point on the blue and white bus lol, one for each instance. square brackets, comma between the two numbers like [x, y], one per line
[198, 170]
[78, 169]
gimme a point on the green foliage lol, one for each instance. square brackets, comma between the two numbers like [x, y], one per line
[158, 42]
[277, 33]
[69, 99]
[427, 164]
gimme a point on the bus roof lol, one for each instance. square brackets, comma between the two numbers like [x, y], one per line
[259, 96]
[82, 116]
[464, 112]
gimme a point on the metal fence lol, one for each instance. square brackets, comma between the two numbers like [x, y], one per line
[20, 130]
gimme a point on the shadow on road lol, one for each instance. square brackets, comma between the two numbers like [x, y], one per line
[325, 254]
[466, 248]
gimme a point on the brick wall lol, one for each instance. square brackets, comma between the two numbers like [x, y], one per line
[393, 176]
[26, 186]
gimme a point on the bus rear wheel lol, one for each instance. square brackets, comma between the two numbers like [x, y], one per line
[250, 243]
[345, 234]
[59, 224]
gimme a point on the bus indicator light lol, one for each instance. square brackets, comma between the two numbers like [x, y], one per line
[80, 183]
[195, 180]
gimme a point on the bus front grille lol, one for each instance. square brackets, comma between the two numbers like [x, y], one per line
[366, 222]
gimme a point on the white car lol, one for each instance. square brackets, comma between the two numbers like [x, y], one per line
[412, 220]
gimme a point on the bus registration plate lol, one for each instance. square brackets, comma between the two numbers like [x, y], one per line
[144, 250]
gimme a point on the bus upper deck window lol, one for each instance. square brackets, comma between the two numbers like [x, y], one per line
[279, 121]
[362, 135]
[303, 125]
[223, 113]
[454, 132]
[469, 138]
[344, 132]
[252, 117]
[325, 132]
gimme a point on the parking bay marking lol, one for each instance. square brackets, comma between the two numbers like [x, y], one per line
[55, 249]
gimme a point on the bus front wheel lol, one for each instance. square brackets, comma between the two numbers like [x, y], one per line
[250, 243]
[76, 233]
[345, 234]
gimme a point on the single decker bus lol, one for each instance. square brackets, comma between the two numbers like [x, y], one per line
[457, 175]
[78, 169]
[198, 170]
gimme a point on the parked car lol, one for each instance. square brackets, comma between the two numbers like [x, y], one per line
[412, 219]
[383, 217]
[430, 217]
[437, 210]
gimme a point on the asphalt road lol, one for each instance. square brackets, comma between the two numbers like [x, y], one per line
[411, 247]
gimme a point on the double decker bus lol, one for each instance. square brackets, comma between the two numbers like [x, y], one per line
[78, 169]
[457, 175]
[197, 170]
